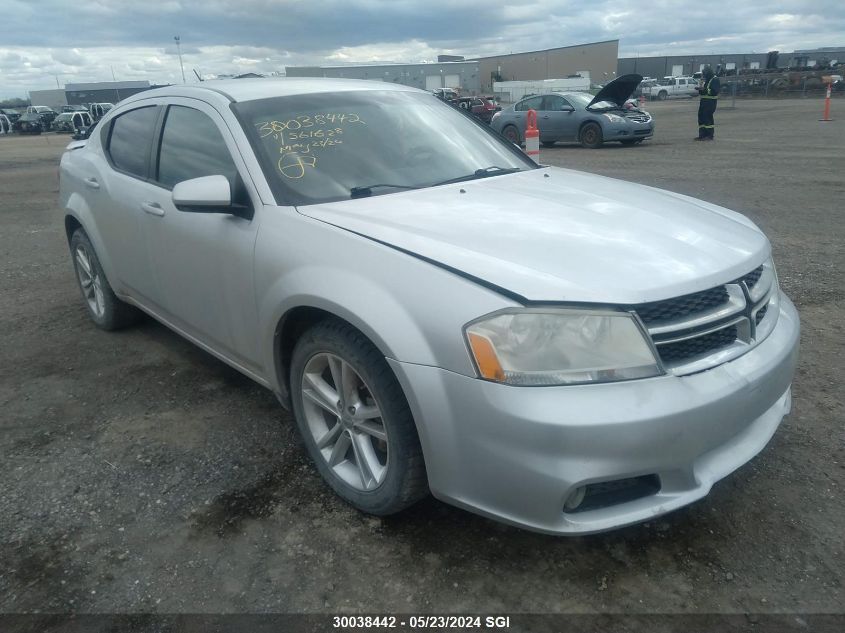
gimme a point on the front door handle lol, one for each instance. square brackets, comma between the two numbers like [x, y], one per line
[153, 208]
[546, 116]
[91, 183]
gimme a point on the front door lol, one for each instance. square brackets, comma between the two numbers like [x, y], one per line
[558, 119]
[203, 262]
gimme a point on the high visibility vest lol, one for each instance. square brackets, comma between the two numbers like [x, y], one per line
[707, 89]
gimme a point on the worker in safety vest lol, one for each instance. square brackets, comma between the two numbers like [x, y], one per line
[709, 91]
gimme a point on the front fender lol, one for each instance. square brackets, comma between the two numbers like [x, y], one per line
[411, 310]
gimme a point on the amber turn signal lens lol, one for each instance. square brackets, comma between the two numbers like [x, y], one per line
[485, 357]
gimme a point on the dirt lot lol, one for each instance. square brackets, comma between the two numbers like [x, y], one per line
[140, 474]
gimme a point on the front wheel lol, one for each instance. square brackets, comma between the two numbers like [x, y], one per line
[591, 136]
[355, 421]
[512, 134]
[662, 95]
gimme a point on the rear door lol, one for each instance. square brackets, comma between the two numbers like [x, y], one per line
[115, 188]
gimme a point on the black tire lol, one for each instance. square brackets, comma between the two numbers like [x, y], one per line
[115, 314]
[662, 95]
[548, 143]
[512, 134]
[405, 480]
[591, 136]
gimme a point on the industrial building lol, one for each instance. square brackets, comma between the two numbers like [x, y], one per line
[596, 61]
[463, 75]
[685, 65]
[78, 94]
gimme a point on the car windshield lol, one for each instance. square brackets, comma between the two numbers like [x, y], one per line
[327, 147]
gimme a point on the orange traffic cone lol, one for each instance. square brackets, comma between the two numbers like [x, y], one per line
[532, 137]
[826, 116]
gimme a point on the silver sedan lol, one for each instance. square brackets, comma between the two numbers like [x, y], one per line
[549, 348]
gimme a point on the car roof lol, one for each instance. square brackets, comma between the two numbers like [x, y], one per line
[251, 89]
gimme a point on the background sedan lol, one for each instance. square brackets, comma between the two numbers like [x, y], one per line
[580, 116]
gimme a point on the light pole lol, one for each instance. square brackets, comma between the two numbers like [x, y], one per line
[179, 50]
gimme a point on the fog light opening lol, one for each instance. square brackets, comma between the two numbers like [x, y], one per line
[574, 500]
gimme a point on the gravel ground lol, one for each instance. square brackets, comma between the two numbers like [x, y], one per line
[139, 474]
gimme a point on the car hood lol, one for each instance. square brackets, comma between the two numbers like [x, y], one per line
[618, 91]
[561, 235]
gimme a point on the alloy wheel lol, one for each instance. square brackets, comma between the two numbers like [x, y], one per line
[345, 421]
[90, 281]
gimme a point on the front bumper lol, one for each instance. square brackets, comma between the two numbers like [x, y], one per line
[516, 454]
[629, 130]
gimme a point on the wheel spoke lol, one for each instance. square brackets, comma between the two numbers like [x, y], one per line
[336, 369]
[339, 449]
[330, 436]
[321, 393]
[366, 460]
[349, 382]
[82, 258]
[373, 429]
[98, 297]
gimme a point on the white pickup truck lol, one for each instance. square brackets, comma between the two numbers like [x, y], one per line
[671, 87]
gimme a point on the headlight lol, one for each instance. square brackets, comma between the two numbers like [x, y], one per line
[547, 346]
[614, 118]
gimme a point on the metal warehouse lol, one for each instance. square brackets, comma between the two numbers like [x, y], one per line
[596, 60]
[473, 76]
[463, 75]
[685, 65]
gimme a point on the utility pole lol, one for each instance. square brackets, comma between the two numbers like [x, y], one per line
[179, 50]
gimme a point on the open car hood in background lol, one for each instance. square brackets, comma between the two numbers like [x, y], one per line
[618, 91]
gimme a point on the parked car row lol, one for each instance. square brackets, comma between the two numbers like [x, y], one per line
[75, 119]
[481, 107]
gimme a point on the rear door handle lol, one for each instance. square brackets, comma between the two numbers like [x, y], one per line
[546, 116]
[153, 208]
[92, 183]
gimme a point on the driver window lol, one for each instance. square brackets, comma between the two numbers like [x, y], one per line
[554, 103]
[192, 147]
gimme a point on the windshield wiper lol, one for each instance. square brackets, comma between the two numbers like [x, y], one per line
[486, 172]
[363, 192]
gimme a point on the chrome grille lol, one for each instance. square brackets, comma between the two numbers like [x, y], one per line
[751, 278]
[704, 329]
[690, 348]
[658, 311]
[639, 117]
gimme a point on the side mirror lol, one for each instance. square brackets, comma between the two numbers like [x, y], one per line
[567, 108]
[209, 194]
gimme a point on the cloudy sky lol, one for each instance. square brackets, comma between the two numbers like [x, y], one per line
[42, 41]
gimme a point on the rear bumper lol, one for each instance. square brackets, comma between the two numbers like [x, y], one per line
[517, 454]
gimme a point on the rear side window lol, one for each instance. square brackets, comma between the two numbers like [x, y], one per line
[130, 140]
[192, 147]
